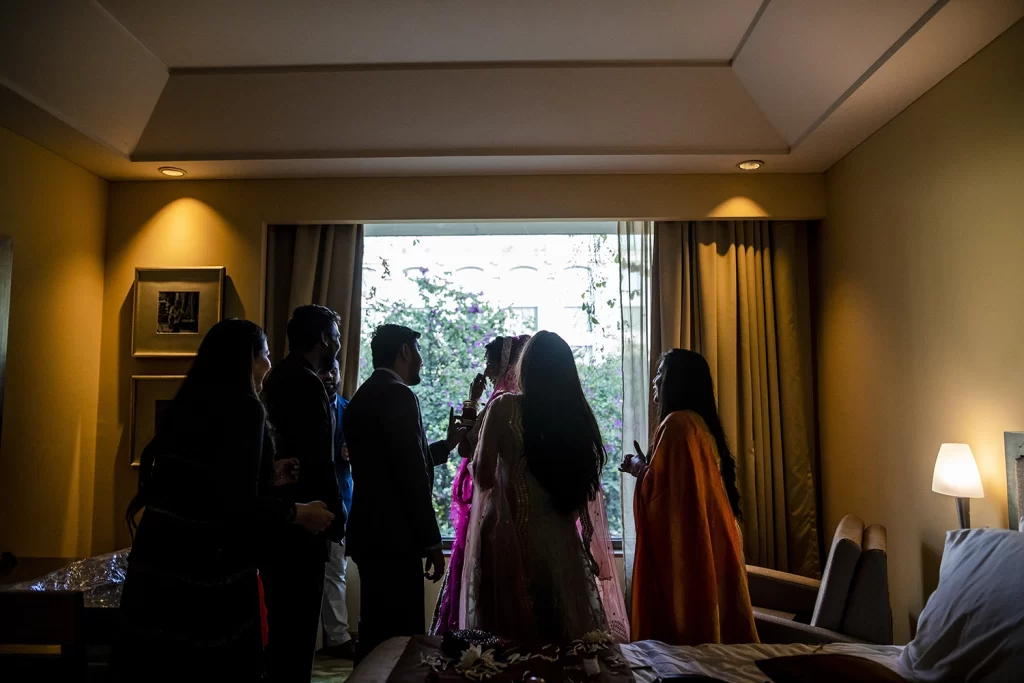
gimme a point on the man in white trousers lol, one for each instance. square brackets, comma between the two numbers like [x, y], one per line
[337, 642]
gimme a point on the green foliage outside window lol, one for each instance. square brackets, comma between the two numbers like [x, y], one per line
[455, 326]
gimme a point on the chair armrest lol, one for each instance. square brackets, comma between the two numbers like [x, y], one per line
[781, 591]
[776, 630]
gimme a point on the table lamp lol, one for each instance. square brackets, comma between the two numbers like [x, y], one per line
[956, 474]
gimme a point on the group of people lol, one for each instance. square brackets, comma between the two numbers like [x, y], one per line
[259, 483]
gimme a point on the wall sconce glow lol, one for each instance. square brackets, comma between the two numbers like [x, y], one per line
[171, 171]
[750, 164]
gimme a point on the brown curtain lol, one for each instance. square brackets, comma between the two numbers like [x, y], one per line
[316, 264]
[738, 293]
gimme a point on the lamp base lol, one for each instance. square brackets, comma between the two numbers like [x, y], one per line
[963, 512]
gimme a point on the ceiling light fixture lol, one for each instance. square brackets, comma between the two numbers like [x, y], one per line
[171, 171]
[750, 164]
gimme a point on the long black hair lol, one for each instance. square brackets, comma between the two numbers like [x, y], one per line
[222, 368]
[686, 384]
[562, 441]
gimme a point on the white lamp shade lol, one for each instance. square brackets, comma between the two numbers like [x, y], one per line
[956, 472]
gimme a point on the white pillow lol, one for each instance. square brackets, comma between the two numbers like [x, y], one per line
[970, 630]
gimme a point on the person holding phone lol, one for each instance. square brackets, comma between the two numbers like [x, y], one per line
[501, 370]
[689, 576]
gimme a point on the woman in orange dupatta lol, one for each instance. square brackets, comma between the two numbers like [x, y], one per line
[689, 577]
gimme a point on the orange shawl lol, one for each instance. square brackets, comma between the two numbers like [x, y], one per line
[689, 579]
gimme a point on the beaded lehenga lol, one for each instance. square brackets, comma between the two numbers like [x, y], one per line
[446, 609]
[529, 571]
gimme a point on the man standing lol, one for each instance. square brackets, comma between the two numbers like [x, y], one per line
[393, 526]
[337, 641]
[303, 421]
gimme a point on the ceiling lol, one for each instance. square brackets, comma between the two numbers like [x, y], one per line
[321, 32]
[310, 88]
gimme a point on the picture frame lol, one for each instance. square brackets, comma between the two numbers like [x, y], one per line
[150, 395]
[174, 309]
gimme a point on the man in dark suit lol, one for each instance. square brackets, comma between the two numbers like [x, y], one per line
[303, 420]
[393, 527]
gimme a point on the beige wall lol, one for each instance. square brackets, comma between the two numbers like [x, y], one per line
[56, 212]
[207, 223]
[921, 330]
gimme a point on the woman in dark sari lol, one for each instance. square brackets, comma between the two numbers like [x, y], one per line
[190, 603]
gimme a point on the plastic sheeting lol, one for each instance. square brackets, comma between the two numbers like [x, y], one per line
[100, 579]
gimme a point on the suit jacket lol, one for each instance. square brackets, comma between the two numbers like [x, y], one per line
[392, 470]
[303, 421]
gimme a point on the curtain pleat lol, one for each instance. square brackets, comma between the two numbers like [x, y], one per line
[316, 264]
[636, 248]
[737, 292]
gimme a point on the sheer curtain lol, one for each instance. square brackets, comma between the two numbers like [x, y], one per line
[738, 292]
[636, 247]
[316, 264]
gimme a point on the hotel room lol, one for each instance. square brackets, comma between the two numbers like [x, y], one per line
[821, 198]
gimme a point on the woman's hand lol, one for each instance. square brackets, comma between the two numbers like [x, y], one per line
[476, 389]
[286, 471]
[634, 463]
[313, 516]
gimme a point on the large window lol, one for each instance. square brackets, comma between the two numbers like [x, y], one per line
[465, 284]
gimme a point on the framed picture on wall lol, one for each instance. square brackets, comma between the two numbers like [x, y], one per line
[150, 396]
[174, 309]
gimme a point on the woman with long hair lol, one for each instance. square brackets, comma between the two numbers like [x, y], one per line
[689, 578]
[528, 573]
[191, 596]
[501, 356]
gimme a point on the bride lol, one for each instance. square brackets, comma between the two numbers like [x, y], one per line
[529, 573]
[502, 356]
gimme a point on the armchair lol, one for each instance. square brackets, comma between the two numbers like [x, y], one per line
[849, 604]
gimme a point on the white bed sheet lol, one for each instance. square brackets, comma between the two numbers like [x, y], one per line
[735, 663]
[730, 663]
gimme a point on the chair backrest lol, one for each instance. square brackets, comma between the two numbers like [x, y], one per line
[838, 574]
[868, 614]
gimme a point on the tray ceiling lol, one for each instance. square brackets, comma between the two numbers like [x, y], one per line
[318, 88]
[318, 32]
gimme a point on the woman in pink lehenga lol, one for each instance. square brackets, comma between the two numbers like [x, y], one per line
[537, 561]
[502, 354]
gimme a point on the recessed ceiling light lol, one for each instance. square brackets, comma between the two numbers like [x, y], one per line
[171, 171]
[750, 164]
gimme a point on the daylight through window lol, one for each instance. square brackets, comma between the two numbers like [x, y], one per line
[462, 290]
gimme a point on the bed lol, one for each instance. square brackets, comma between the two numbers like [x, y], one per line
[969, 629]
[650, 660]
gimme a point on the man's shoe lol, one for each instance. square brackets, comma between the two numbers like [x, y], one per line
[346, 650]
